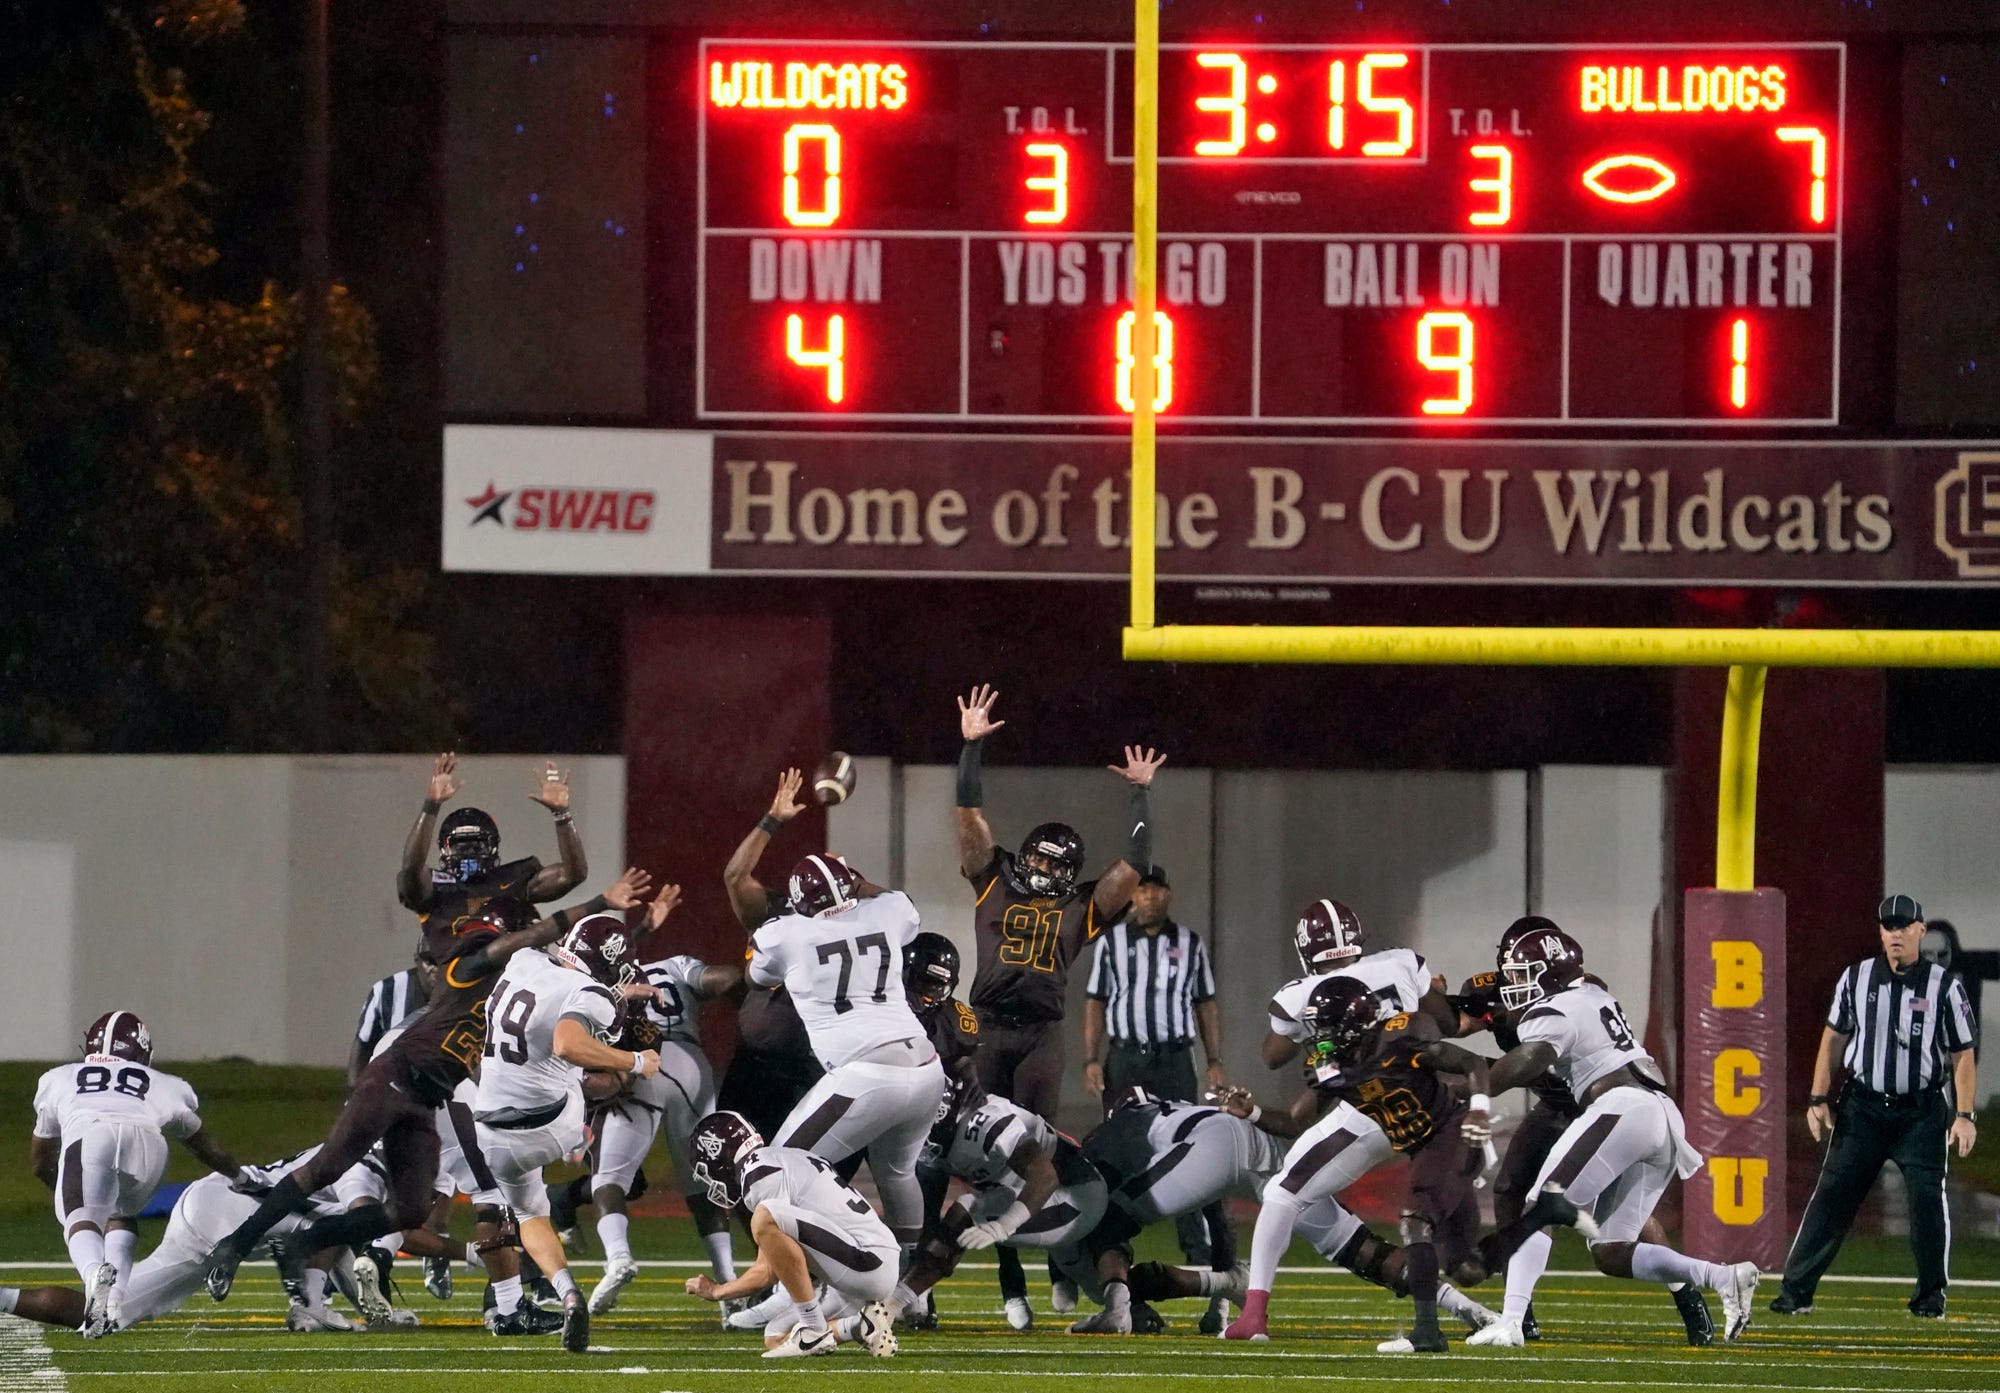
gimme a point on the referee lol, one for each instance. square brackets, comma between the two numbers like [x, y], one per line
[1895, 1021]
[1152, 983]
[391, 1002]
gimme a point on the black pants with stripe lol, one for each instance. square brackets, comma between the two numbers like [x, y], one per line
[1166, 1071]
[1868, 1129]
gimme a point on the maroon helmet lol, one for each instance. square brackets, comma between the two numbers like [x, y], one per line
[504, 913]
[1337, 1018]
[1541, 962]
[822, 885]
[121, 1034]
[1515, 931]
[720, 1145]
[1328, 937]
[599, 946]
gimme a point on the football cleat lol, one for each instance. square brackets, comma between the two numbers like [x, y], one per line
[575, 1322]
[1062, 1296]
[1502, 1334]
[804, 1344]
[1929, 1306]
[619, 1273]
[1785, 1304]
[922, 1316]
[315, 1320]
[223, 1260]
[1215, 1317]
[525, 1319]
[1531, 1329]
[731, 1307]
[1693, 1307]
[876, 1330]
[437, 1278]
[1020, 1315]
[1146, 1320]
[1739, 1294]
[97, 1318]
[1416, 1342]
[759, 1314]
[1246, 1327]
[1109, 1321]
[291, 1264]
[374, 1307]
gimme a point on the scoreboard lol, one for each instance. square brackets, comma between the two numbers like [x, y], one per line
[1506, 234]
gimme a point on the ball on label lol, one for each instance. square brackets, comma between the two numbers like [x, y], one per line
[833, 781]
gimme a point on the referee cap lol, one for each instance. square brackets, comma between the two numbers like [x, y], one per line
[1155, 874]
[1898, 911]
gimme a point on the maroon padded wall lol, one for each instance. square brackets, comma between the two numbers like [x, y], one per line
[716, 706]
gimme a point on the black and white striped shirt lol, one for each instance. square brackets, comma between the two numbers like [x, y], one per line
[391, 1001]
[1901, 1029]
[1149, 983]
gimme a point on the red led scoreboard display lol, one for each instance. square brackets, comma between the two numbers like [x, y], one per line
[1519, 234]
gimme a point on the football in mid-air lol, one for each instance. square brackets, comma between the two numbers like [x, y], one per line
[833, 781]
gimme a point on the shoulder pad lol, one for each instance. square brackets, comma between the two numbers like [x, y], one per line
[1541, 1012]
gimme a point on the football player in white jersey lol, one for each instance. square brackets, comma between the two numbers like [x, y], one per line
[546, 1023]
[673, 1101]
[805, 1223]
[1330, 943]
[100, 1144]
[840, 958]
[1618, 1155]
[163, 1281]
[1030, 1186]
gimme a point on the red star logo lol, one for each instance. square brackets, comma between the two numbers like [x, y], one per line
[487, 505]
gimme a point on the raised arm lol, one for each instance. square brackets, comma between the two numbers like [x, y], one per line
[747, 896]
[413, 885]
[552, 792]
[622, 894]
[1115, 886]
[975, 723]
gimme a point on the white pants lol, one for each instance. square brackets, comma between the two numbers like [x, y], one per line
[1066, 1216]
[1329, 1156]
[855, 1254]
[516, 1156]
[885, 1110]
[1221, 1155]
[108, 1171]
[1615, 1160]
[165, 1278]
[457, 1173]
[672, 1101]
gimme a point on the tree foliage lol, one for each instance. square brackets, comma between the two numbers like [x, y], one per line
[151, 547]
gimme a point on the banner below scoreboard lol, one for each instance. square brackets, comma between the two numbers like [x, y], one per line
[1466, 511]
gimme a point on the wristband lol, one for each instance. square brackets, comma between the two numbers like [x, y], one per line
[1817, 1099]
[1479, 1102]
[431, 806]
[769, 825]
[967, 791]
[565, 817]
[1968, 1117]
[637, 1063]
[1256, 1112]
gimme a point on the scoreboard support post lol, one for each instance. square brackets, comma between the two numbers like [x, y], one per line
[1145, 279]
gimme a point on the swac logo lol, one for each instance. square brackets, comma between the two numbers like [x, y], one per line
[542, 508]
[1968, 514]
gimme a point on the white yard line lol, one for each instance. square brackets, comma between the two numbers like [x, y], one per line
[25, 1358]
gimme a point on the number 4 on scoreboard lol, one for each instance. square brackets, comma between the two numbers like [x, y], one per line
[832, 357]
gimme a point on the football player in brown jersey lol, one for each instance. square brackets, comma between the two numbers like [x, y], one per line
[1383, 1083]
[1032, 916]
[396, 1099]
[469, 871]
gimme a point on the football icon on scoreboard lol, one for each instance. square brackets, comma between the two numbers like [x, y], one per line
[1968, 514]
